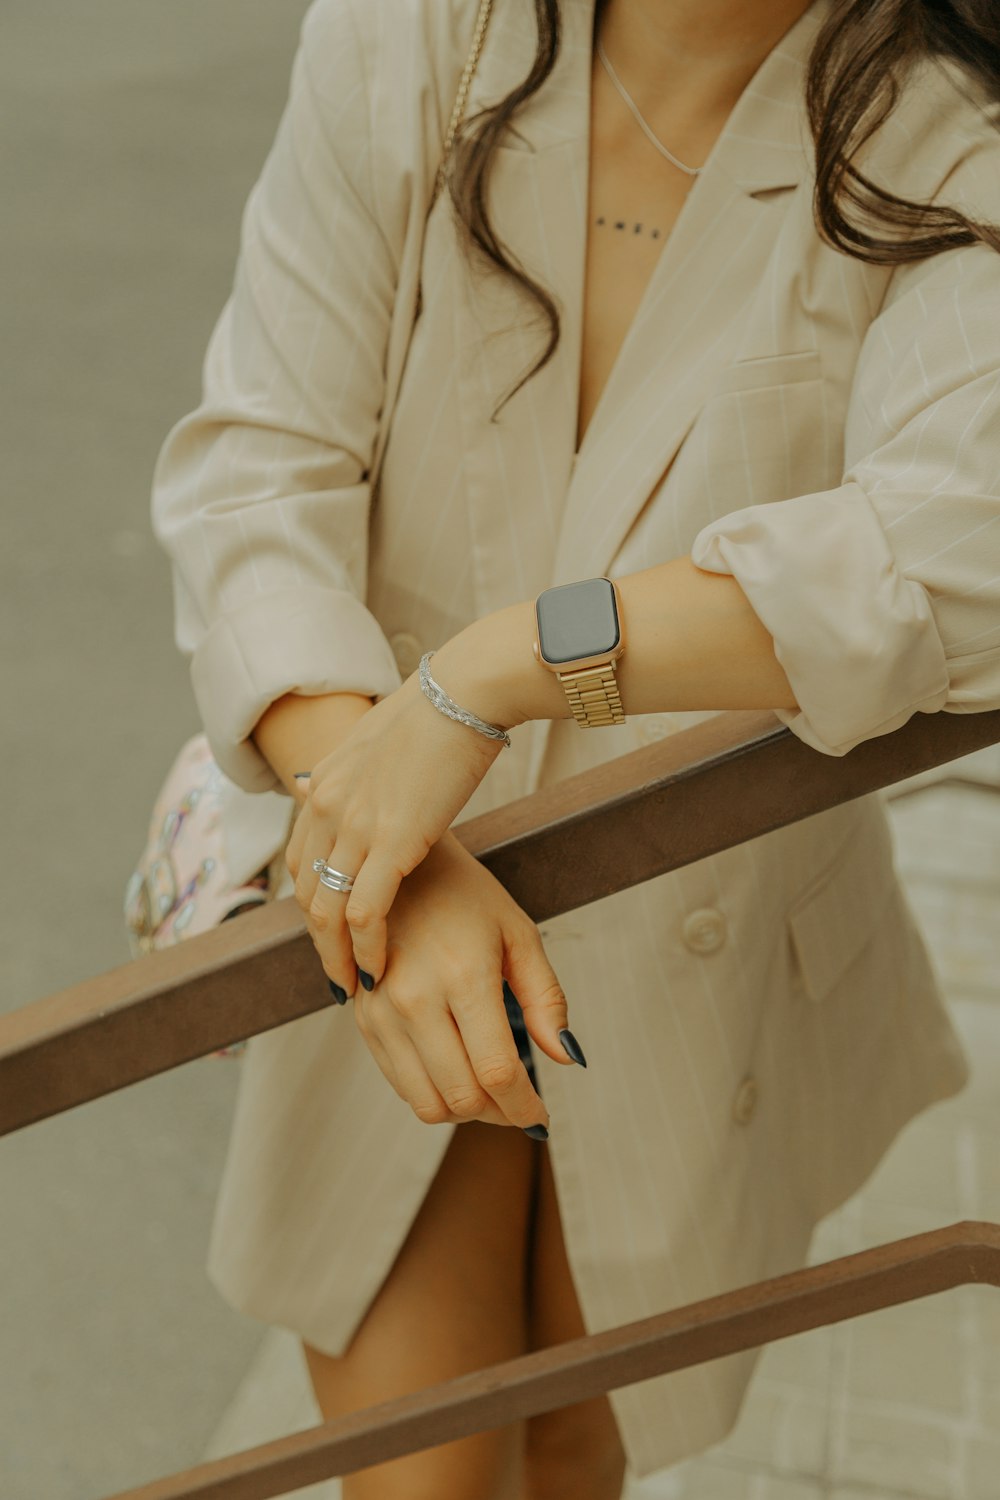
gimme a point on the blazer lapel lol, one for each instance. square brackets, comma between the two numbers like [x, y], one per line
[689, 324]
[687, 329]
[690, 320]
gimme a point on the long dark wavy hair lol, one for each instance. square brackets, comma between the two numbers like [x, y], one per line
[858, 60]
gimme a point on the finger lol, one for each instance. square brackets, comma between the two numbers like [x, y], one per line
[327, 913]
[443, 1054]
[293, 848]
[521, 1039]
[481, 1018]
[330, 933]
[374, 1043]
[316, 844]
[540, 996]
[413, 1082]
[313, 838]
[403, 1070]
[370, 901]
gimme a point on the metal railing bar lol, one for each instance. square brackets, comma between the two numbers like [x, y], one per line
[903, 1271]
[722, 782]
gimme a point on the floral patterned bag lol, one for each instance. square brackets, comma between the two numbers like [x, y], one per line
[182, 884]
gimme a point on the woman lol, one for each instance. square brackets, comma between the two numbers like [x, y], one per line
[768, 416]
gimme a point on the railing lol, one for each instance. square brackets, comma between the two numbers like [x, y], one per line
[722, 782]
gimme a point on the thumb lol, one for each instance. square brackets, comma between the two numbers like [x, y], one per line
[543, 1002]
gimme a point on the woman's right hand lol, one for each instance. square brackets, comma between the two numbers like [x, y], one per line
[436, 1022]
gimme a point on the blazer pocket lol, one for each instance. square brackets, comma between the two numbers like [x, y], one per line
[834, 919]
[771, 369]
[769, 430]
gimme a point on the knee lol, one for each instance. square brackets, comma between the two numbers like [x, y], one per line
[575, 1452]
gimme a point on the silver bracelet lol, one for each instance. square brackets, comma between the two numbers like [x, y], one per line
[436, 693]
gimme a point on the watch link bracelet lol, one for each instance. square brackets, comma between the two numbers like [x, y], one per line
[579, 637]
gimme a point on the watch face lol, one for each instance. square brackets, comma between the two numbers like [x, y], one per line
[577, 619]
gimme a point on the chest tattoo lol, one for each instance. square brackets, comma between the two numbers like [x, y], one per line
[623, 227]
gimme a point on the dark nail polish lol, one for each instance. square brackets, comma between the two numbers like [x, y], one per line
[366, 980]
[302, 775]
[537, 1132]
[340, 995]
[572, 1047]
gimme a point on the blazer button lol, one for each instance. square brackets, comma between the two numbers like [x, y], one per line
[745, 1101]
[407, 650]
[704, 930]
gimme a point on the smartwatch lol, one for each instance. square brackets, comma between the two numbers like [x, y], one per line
[578, 636]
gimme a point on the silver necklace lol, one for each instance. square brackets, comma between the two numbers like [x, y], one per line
[691, 171]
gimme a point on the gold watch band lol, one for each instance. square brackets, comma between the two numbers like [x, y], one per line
[593, 695]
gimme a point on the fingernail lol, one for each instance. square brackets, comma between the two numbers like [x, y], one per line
[302, 775]
[537, 1132]
[366, 980]
[340, 995]
[572, 1047]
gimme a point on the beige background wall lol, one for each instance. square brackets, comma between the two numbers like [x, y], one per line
[132, 131]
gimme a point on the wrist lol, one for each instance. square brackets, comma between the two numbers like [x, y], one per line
[296, 731]
[493, 662]
[483, 667]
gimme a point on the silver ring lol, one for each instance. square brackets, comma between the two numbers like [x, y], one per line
[335, 880]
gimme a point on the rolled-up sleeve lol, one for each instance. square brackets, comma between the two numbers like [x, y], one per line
[883, 595]
[261, 496]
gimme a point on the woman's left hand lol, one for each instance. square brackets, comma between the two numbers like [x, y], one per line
[374, 807]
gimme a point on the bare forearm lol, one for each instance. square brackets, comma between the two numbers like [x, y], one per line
[295, 732]
[692, 641]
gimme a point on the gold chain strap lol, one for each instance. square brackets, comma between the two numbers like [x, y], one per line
[465, 82]
[594, 695]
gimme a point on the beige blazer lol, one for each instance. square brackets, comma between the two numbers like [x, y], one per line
[761, 1024]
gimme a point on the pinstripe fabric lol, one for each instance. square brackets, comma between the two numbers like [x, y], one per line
[761, 1024]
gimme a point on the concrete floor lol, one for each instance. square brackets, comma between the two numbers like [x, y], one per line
[134, 131]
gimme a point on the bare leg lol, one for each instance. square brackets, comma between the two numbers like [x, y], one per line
[454, 1301]
[575, 1453]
